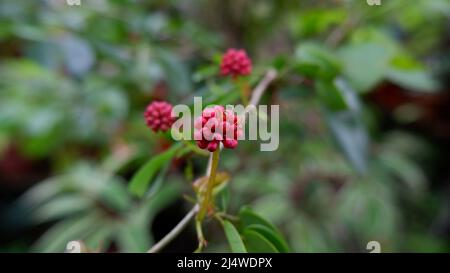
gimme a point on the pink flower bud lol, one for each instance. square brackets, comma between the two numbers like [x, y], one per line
[211, 129]
[158, 116]
[235, 63]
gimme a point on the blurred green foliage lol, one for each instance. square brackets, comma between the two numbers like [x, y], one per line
[76, 79]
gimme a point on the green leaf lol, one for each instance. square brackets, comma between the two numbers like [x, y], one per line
[233, 237]
[30, 32]
[314, 21]
[330, 95]
[364, 64]
[133, 238]
[272, 236]
[349, 130]
[176, 72]
[251, 220]
[115, 195]
[257, 243]
[56, 238]
[314, 60]
[78, 54]
[406, 169]
[158, 201]
[158, 182]
[61, 206]
[413, 79]
[223, 198]
[42, 192]
[205, 72]
[141, 180]
[351, 137]
[100, 239]
[133, 235]
[248, 217]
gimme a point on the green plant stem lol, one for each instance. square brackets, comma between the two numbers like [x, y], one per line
[200, 237]
[244, 96]
[195, 148]
[227, 216]
[209, 187]
[243, 87]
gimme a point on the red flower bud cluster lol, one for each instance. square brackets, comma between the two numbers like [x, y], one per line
[235, 63]
[158, 116]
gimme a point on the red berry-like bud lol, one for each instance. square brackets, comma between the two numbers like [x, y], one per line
[202, 144]
[212, 146]
[158, 116]
[230, 143]
[235, 63]
[216, 125]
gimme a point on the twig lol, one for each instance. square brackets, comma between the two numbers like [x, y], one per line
[175, 231]
[340, 32]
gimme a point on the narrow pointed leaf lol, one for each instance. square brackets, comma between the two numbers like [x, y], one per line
[233, 237]
[142, 179]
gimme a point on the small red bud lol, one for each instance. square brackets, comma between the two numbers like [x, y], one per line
[235, 63]
[158, 116]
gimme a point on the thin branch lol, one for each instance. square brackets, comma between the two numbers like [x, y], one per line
[339, 33]
[175, 231]
[262, 86]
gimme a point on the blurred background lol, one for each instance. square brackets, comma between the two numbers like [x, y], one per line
[364, 121]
